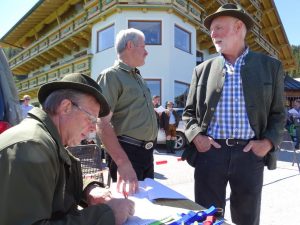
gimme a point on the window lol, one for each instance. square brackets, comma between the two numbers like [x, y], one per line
[151, 29]
[199, 57]
[182, 39]
[105, 38]
[181, 92]
[155, 86]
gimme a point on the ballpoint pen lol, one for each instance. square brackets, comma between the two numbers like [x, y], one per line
[125, 194]
[126, 190]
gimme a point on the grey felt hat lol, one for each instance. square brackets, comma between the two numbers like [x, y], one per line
[76, 81]
[230, 10]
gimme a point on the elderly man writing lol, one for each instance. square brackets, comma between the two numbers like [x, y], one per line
[41, 181]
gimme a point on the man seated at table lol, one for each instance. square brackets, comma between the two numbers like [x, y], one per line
[41, 181]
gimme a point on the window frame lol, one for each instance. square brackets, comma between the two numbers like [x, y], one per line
[189, 35]
[98, 36]
[160, 85]
[175, 95]
[148, 21]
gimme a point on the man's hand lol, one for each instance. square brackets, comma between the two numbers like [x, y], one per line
[126, 173]
[203, 143]
[97, 195]
[127, 179]
[122, 208]
[259, 147]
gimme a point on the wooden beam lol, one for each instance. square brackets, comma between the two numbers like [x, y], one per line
[205, 45]
[41, 60]
[47, 55]
[70, 45]
[82, 42]
[34, 63]
[56, 54]
[62, 49]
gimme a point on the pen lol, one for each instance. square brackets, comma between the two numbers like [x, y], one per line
[126, 190]
[125, 194]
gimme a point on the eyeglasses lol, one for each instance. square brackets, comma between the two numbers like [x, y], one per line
[92, 118]
[27, 99]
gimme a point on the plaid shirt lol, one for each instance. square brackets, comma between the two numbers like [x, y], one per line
[230, 119]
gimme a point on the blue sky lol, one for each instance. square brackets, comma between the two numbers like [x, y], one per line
[11, 11]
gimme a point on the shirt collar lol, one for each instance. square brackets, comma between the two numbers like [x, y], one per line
[241, 58]
[125, 67]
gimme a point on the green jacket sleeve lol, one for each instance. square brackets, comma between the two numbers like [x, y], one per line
[30, 188]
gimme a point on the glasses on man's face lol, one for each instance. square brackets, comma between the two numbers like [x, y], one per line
[27, 99]
[92, 118]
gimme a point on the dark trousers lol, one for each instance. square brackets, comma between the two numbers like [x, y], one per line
[141, 160]
[244, 173]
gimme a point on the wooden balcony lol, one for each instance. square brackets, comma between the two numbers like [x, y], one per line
[77, 64]
[72, 36]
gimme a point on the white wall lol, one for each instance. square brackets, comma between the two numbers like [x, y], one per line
[163, 62]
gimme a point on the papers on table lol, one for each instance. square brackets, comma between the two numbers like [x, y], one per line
[159, 109]
[153, 190]
[145, 211]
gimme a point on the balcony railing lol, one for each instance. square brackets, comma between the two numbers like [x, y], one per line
[50, 40]
[262, 41]
[77, 64]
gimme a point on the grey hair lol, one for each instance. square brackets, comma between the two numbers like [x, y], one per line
[126, 35]
[52, 102]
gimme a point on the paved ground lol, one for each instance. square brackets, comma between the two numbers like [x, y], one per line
[281, 190]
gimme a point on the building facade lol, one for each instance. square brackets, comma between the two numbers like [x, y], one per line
[62, 36]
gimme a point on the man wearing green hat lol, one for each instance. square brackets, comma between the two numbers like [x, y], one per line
[235, 117]
[41, 181]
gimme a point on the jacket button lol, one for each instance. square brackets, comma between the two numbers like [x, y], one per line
[218, 90]
[212, 109]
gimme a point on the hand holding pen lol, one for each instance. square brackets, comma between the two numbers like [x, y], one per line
[126, 189]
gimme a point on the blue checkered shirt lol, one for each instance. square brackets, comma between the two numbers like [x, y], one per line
[230, 119]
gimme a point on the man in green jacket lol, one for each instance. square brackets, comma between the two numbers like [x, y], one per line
[235, 117]
[41, 181]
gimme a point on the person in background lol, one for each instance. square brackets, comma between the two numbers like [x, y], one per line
[26, 106]
[128, 133]
[169, 122]
[156, 103]
[235, 117]
[294, 117]
[295, 111]
[41, 181]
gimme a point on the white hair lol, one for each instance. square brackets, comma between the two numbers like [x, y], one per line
[126, 35]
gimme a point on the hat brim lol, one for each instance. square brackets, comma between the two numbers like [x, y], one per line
[48, 88]
[233, 13]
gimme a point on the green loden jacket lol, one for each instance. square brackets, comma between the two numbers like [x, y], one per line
[263, 85]
[41, 182]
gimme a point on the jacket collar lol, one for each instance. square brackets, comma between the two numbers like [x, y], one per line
[42, 116]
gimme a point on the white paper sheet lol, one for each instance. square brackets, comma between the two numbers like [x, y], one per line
[156, 190]
[159, 109]
[145, 211]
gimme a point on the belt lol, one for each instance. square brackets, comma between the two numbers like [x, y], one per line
[233, 142]
[129, 140]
